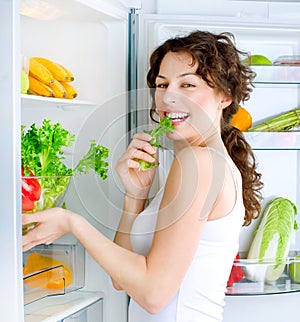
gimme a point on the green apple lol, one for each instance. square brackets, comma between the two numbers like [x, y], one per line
[257, 60]
[295, 270]
[24, 82]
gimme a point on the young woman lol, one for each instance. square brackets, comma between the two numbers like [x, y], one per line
[174, 257]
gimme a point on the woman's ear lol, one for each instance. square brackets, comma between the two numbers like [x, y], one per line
[226, 100]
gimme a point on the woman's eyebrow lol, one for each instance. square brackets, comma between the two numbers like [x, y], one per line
[179, 76]
[187, 74]
[161, 76]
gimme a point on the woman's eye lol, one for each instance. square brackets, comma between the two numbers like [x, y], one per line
[187, 85]
[161, 85]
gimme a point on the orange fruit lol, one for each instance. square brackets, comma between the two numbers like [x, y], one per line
[242, 119]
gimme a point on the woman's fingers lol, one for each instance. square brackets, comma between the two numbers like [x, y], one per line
[31, 218]
[141, 155]
[140, 141]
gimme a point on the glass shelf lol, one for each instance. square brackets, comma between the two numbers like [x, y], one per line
[275, 74]
[273, 140]
[59, 307]
[262, 277]
[34, 101]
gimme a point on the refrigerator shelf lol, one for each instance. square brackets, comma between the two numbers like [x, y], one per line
[57, 308]
[277, 74]
[263, 277]
[274, 140]
[34, 101]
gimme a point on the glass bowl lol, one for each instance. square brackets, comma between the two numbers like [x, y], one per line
[270, 276]
[40, 193]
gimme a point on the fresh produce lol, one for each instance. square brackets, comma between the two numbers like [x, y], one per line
[70, 75]
[242, 119]
[31, 191]
[257, 60]
[236, 274]
[42, 155]
[162, 128]
[39, 88]
[49, 278]
[282, 122]
[71, 91]
[24, 82]
[40, 72]
[50, 79]
[58, 89]
[55, 69]
[271, 240]
[295, 269]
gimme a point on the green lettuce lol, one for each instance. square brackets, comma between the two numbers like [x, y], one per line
[163, 127]
[42, 154]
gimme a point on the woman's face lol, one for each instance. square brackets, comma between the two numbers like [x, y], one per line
[181, 94]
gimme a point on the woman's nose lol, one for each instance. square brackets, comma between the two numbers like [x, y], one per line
[170, 97]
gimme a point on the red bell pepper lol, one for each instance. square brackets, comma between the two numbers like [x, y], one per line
[236, 273]
[31, 191]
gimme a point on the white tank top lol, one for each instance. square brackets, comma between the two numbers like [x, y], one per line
[201, 295]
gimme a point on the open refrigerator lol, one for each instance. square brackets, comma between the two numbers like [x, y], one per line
[107, 45]
[90, 38]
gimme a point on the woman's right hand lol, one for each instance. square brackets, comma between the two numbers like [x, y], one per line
[137, 182]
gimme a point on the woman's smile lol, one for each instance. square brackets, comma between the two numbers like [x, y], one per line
[177, 117]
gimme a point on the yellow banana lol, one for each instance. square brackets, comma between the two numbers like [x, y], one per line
[40, 72]
[69, 73]
[70, 90]
[39, 88]
[57, 71]
[58, 89]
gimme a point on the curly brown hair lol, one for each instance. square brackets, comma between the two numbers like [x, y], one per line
[219, 65]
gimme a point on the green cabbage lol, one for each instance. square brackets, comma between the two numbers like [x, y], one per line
[271, 240]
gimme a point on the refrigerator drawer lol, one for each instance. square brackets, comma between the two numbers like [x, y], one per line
[55, 269]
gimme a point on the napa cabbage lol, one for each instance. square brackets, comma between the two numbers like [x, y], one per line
[271, 242]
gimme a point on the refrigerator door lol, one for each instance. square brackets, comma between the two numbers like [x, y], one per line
[11, 304]
[82, 36]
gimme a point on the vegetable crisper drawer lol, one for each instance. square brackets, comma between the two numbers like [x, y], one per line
[55, 269]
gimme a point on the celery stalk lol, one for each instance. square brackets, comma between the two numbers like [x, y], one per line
[282, 122]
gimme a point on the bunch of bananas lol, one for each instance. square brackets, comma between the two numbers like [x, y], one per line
[48, 78]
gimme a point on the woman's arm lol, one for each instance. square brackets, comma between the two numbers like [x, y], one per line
[137, 185]
[132, 207]
[153, 280]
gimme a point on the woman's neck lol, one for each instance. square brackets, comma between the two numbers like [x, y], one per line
[214, 141]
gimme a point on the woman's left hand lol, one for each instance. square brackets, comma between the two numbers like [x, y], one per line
[50, 225]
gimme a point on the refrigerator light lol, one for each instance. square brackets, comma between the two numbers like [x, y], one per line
[39, 9]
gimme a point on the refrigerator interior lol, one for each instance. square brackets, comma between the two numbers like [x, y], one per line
[273, 30]
[81, 35]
